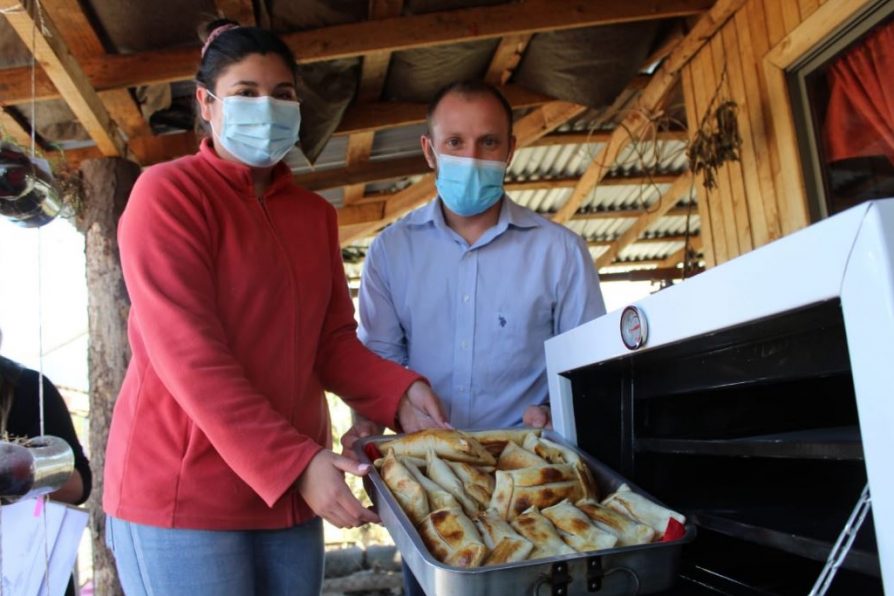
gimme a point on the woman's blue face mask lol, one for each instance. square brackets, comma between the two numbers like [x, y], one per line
[469, 186]
[258, 131]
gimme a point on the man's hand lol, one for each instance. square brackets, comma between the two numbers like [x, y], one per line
[362, 428]
[420, 408]
[538, 417]
[323, 488]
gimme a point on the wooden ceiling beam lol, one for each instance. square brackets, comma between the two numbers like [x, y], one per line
[364, 172]
[399, 33]
[83, 42]
[241, 11]
[678, 211]
[506, 58]
[656, 240]
[670, 199]
[372, 81]
[528, 129]
[571, 182]
[12, 127]
[677, 257]
[602, 136]
[379, 115]
[636, 122]
[80, 37]
[66, 74]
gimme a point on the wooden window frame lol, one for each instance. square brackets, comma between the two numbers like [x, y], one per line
[816, 32]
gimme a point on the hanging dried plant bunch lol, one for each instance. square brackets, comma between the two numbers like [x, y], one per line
[715, 143]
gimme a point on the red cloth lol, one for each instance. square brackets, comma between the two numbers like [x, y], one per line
[860, 116]
[240, 317]
[674, 531]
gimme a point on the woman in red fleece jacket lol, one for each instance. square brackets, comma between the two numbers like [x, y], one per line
[217, 467]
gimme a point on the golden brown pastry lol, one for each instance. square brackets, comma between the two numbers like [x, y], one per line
[478, 485]
[513, 457]
[438, 498]
[629, 531]
[505, 544]
[541, 486]
[495, 440]
[540, 531]
[449, 444]
[576, 529]
[438, 470]
[641, 509]
[408, 492]
[451, 538]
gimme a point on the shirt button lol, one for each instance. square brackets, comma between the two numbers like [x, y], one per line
[466, 298]
[464, 344]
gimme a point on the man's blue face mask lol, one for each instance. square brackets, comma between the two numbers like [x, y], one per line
[258, 131]
[469, 186]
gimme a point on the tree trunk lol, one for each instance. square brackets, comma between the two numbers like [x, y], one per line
[107, 183]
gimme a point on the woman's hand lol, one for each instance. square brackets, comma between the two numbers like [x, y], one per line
[323, 488]
[361, 428]
[538, 417]
[420, 408]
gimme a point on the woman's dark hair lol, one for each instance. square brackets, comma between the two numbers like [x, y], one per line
[234, 44]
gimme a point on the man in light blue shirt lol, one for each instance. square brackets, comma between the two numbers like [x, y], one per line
[466, 289]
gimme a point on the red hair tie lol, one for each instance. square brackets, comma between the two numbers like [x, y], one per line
[217, 33]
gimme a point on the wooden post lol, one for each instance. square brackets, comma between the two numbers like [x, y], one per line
[107, 184]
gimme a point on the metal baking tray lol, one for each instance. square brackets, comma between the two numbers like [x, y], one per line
[642, 569]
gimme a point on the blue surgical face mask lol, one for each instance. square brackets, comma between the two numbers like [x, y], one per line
[258, 131]
[469, 186]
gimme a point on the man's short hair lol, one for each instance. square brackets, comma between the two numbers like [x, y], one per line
[469, 88]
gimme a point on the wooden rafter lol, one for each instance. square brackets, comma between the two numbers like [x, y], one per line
[11, 126]
[671, 197]
[678, 211]
[571, 182]
[677, 257]
[68, 77]
[376, 116]
[528, 129]
[400, 33]
[656, 240]
[372, 81]
[506, 57]
[83, 42]
[602, 136]
[241, 11]
[637, 121]
[364, 172]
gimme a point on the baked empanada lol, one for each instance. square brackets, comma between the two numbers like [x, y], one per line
[408, 492]
[629, 531]
[449, 444]
[576, 529]
[438, 470]
[513, 457]
[541, 532]
[478, 485]
[641, 509]
[438, 498]
[451, 538]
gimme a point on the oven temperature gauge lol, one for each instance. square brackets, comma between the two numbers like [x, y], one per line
[634, 331]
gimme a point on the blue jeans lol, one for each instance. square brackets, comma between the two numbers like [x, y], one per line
[155, 561]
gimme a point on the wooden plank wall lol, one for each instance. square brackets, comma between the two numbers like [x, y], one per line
[744, 211]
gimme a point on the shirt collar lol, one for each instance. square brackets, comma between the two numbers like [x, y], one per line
[511, 213]
[239, 174]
